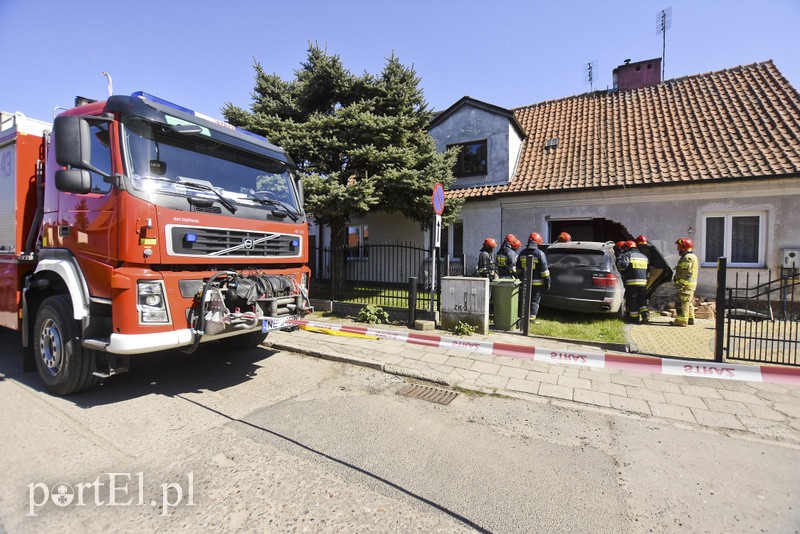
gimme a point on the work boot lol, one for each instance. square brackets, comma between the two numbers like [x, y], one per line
[691, 321]
[645, 317]
[675, 323]
[534, 320]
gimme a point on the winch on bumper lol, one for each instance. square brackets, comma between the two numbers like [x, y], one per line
[242, 307]
[232, 302]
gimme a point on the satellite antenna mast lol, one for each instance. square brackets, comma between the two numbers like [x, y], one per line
[663, 23]
[591, 69]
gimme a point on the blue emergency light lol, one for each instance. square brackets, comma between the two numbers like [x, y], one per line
[190, 238]
[167, 103]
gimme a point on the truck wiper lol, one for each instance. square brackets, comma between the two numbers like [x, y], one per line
[254, 195]
[203, 187]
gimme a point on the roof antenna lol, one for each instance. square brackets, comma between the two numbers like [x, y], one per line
[591, 68]
[110, 83]
[663, 23]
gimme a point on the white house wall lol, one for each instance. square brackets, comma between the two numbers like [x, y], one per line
[663, 214]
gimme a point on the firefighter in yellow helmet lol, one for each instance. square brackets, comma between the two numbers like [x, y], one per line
[685, 282]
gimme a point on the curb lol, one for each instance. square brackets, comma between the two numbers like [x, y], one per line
[607, 360]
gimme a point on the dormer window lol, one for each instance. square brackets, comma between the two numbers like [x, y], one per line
[472, 159]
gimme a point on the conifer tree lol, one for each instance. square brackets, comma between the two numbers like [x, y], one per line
[361, 142]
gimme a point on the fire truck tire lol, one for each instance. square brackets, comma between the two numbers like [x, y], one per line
[64, 365]
[247, 341]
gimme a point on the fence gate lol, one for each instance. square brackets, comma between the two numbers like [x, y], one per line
[378, 273]
[762, 316]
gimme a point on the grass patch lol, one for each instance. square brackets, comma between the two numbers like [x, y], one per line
[579, 326]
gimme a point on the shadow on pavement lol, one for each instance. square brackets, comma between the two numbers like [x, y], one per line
[212, 367]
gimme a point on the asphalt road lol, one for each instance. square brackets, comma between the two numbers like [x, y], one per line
[275, 442]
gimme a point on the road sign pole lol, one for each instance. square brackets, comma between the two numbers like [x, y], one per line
[433, 269]
[438, 209]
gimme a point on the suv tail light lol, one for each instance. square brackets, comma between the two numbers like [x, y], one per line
[604, 280]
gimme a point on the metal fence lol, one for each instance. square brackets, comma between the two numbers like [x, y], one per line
[379, 273]
[762, 317]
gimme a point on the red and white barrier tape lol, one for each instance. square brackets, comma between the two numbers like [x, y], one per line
[607, 360]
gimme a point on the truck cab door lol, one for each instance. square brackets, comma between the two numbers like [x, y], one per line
[86, 222]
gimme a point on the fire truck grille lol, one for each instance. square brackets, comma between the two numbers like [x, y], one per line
[219, 242]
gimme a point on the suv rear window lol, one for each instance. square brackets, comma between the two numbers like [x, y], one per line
[575, 259]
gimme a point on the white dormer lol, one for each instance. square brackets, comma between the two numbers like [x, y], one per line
[489, 137]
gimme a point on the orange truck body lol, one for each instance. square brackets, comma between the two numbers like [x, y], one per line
[152, 227]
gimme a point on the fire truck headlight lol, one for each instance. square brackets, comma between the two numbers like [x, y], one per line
[152, 302]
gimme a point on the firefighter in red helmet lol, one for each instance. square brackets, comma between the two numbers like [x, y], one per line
[541, 275]
[632, 264]
[685, 282]
[486, 266]
[507, 257]
[564, 237]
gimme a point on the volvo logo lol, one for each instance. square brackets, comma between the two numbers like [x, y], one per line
[248, 244]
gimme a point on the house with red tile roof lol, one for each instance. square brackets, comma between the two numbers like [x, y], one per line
[714, 157]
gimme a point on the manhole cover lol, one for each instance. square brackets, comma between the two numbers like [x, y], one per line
[440, 396]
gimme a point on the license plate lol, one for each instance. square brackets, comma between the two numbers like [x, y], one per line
[273, 324]
[570, 279]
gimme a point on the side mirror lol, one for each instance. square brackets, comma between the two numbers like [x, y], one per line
[73, 141]
[74, 181]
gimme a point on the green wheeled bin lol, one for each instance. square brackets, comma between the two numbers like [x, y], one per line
[505, 301]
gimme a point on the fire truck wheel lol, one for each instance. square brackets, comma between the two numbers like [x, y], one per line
[63, 364]
[247, 341]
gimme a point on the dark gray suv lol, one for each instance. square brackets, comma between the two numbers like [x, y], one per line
[584, 278]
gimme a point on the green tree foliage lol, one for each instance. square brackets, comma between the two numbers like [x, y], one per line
[360, 141]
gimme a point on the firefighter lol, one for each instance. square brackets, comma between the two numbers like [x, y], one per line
[486, 266]
[540, 280]
[564, 237]
[633, 266]
[685, 282]
[643, 246]
[507, 257]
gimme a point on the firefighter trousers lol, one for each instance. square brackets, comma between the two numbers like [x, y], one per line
[684, 306]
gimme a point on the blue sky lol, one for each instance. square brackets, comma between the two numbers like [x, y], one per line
[510, 53]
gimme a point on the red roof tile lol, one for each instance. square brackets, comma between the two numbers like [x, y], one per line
[742, 122]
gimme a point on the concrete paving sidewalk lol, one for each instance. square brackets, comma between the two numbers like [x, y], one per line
[749, 408]
[659, 338]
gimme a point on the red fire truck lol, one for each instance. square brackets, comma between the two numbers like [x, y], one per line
[136, 225]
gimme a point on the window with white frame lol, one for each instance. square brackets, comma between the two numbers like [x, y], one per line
[740, 237]
[357, 242]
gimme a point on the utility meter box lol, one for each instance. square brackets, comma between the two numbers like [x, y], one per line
[465, 299]
[791, 258]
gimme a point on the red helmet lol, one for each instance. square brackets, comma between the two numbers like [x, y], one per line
[630, 244]
[564, 237]
[684, 244]
[489, 242]
[512, 240]
[621, 244]
[535, 238]
[641, 240]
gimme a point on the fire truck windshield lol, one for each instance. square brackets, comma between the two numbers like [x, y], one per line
[165, 161]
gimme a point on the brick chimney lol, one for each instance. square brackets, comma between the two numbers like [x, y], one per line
[637, 75]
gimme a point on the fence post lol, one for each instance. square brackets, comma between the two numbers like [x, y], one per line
[412, 301]
[719, 330]
[525, 301]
